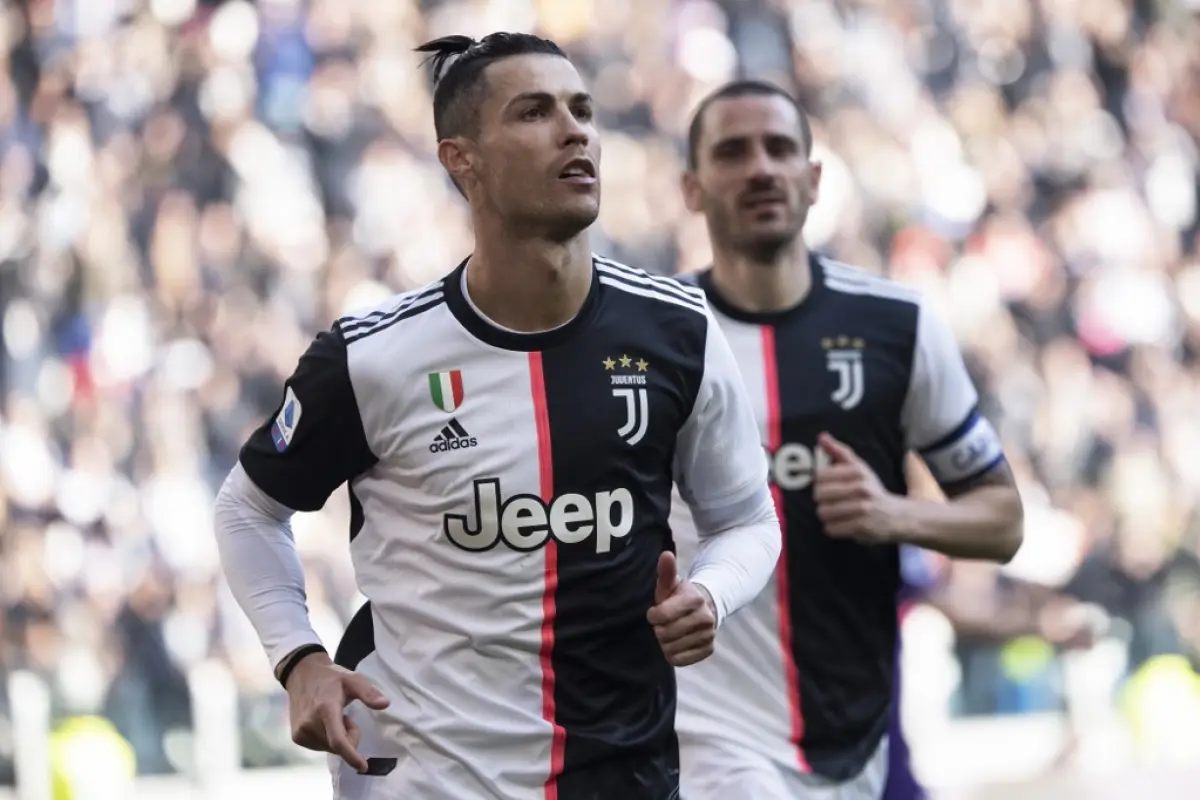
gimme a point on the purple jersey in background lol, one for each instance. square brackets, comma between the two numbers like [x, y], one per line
[919, 574]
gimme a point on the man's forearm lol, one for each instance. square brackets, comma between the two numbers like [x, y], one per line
[261, 566]
[984, 523]
[734, 565]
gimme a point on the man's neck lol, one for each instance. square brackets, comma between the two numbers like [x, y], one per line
[760, 286]
[529, 285]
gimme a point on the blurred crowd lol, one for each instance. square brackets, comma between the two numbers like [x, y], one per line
[189, 190]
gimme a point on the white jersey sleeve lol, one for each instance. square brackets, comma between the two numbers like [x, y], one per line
[313, 444]
[261, 565]
[941, 416]
[722, 477]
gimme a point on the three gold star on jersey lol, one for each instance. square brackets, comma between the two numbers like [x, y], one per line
[625, 361]
[843, 342]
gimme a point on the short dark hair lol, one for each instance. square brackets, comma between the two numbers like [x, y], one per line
[742, 88]
[458, 84]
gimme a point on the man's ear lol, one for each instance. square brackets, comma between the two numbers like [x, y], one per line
[814, 177]
[458, 159]
[693, 195]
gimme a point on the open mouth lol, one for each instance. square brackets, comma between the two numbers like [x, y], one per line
[579, 171]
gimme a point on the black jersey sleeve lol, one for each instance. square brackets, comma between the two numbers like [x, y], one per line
[315, 440]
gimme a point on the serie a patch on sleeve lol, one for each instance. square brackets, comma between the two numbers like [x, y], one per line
[284, 427]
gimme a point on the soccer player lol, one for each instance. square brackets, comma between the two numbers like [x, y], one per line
[848, 373]
[509, 435]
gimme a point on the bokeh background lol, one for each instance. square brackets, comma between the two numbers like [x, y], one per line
[189, 190]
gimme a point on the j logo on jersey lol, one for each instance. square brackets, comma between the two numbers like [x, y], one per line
[844, 358]
[284, 427]
[628, 378]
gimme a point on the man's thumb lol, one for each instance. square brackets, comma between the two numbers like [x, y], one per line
[359, 688]
[838, 453]
[668, 577]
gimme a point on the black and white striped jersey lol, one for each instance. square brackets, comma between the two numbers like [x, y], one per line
[510, 498]
[803, 675]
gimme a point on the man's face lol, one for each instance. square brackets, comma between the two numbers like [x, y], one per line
[753, 179]
[537, 157]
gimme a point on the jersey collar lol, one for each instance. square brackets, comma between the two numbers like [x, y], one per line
[727, 309]
[486, 332]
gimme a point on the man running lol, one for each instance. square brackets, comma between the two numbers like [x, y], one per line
[509, 435]
[848, 373]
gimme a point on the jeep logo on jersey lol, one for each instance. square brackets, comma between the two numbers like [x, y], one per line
[526, 523]
[792, 466]
[844, 358]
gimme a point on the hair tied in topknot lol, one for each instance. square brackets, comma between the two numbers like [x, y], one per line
[444, 52]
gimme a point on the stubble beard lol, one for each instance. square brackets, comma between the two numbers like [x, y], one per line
[759, 249]
[548, 221]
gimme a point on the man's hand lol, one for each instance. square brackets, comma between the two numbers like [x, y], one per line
[683, 616]
[851, 501]
[318, 692]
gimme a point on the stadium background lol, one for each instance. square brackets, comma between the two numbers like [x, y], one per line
[189, 190]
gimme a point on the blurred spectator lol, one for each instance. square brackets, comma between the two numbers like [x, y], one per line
[189, 190]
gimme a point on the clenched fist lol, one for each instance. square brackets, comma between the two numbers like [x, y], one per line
[851, 501]
[683, 616]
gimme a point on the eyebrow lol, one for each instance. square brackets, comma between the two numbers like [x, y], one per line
[742, 139]
[546, 97]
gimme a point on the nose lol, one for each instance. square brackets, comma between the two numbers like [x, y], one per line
[759, 164]
[574, 131]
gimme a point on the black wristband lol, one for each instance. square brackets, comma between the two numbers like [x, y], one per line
[296, 658]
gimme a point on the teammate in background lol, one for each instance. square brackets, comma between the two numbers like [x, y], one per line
[509, 435]
[848, 372]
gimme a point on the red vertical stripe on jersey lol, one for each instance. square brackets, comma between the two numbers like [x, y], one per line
[541, 416]
[774, 442]
[456, 386]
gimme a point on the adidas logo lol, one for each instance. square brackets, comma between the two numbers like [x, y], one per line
[453, 437]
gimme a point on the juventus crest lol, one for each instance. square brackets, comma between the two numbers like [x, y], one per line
[629, 385]
[844, 358]
[636, 414]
